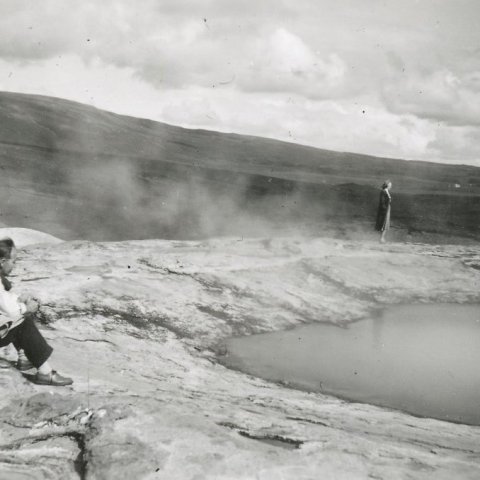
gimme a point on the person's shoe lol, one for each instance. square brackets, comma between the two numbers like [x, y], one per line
[53, 378]
[4, 364]
[23, 364]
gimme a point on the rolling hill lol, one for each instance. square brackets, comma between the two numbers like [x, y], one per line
[78, 172]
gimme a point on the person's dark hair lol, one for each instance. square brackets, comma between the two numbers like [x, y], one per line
[385, 183]
[6, 247]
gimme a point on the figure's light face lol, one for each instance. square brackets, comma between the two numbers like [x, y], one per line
[7, 264]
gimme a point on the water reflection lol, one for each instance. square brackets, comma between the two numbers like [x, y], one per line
[377, 329]
[422, 359]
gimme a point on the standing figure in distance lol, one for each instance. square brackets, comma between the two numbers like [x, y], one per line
[383, 214]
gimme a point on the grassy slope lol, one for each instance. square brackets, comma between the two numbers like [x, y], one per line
[76, 171]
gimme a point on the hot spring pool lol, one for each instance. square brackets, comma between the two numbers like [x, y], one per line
[422, 359]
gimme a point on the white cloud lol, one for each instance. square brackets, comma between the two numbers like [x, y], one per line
[460, 142]
[301, 70]
[336, 125]
[95, 83]
[283, 62]
[440, 96]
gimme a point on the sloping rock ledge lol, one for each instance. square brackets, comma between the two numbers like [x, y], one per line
[135, 323]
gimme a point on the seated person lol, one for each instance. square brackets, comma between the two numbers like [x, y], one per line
[17, 324]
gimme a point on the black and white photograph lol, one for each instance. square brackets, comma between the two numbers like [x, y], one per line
[239, 240]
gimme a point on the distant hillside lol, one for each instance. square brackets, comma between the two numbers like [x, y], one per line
[78, 172]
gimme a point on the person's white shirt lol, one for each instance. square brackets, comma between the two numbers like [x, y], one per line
[11, 309]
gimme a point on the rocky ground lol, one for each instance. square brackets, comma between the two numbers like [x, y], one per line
[137, 325]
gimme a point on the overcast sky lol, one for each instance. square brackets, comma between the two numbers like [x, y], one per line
[397, 78]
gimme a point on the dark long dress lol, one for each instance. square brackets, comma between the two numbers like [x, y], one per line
[383, 213]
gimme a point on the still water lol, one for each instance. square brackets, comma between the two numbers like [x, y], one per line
[422, 359]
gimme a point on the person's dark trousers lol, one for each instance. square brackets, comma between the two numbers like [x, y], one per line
[26, 336]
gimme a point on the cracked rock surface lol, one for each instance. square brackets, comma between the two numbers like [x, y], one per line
[136, 325]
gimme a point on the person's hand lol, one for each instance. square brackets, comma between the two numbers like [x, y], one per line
[24, 298]
[32, 305]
